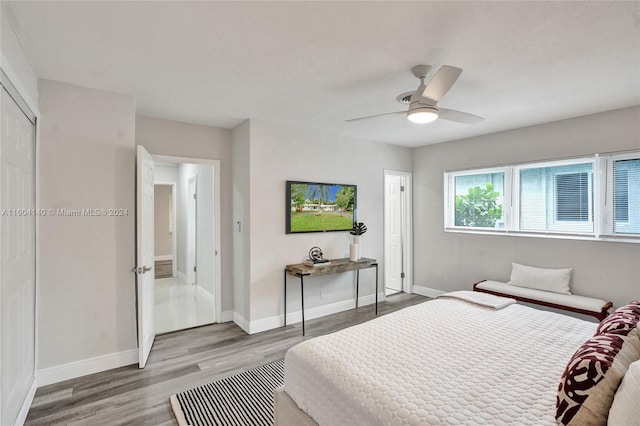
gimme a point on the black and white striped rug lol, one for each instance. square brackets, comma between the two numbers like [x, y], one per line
[243, 399]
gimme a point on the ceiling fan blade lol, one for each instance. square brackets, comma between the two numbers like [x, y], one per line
[459, 116]
[374, 116]
[441, 82]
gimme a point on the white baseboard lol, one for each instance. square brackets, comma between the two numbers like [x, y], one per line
[311, 313]
[426, 291]
[26, 404]
[241, 322]
[205, 290]
[226, 316]
[163, 257]
[72, 370]
[182, 277]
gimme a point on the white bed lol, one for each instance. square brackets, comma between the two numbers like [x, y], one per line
[445, 361]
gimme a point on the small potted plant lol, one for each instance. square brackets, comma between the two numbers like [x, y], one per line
[358, 229]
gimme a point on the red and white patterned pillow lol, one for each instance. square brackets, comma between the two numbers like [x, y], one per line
[590, 381]
[622, 321]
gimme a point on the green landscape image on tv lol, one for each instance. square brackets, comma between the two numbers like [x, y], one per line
[319, 207]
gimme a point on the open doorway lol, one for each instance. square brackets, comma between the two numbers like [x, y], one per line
[397, 232]
[186, 237]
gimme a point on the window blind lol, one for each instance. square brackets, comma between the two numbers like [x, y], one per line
[557, 198]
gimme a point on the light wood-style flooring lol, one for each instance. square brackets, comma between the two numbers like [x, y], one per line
[180, 361]
[163, 268]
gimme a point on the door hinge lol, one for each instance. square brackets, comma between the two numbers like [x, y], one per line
[402, 275]
[195, 197]
[401, 188]
[195, 269]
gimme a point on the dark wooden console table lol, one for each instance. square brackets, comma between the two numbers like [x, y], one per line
[337, 265]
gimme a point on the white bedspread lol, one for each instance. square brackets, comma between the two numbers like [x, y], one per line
[484, 299]
[445, 361]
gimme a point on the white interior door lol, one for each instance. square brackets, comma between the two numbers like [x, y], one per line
[17, 280]
[145, 253]
[393, 233]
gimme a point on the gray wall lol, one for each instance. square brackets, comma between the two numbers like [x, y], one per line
[165, 137]
[278, 154]
[453, 261]
[86, 290]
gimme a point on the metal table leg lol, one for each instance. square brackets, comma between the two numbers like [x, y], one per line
[376, 265]
[357, 285]
[302, 301]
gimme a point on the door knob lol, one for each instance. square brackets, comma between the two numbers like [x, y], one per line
[141, 269]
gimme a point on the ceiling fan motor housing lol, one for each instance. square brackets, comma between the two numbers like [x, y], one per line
[422, 113]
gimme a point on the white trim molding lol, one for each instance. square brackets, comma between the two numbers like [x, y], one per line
[163, 257]
[241, 322]
[17, 82]
[72, 370]
[181, 277]
[227, 316]
[26, 404]
[311, 313]
[426, 291]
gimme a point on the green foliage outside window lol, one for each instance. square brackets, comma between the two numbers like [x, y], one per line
[479, 208]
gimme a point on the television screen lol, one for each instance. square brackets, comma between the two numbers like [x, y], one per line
[319, 207]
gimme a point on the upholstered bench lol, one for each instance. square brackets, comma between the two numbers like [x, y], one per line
[569, 302]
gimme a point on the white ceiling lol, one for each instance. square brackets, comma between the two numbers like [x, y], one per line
[315, 64]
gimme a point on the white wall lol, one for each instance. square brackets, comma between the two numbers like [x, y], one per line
[15, 63]
[278, 154]
[163, 173]
[453, 261]
[86, 290]
[165, 137]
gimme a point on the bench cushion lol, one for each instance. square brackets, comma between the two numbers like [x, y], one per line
[572, 300]
[555, 280]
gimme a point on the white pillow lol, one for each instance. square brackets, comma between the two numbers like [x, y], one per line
[625, 410]
[554, 280]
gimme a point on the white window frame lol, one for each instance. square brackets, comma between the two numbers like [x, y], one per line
[450, 196]
[601, 207]
[515, 225]
[608, 219]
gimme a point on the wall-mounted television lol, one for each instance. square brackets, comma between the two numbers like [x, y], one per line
[320, 207]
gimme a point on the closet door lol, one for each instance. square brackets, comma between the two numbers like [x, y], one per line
[17, 255]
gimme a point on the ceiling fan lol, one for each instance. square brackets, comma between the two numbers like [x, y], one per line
[423, 103]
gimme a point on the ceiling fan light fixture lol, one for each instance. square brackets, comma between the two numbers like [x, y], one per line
[422, 115]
